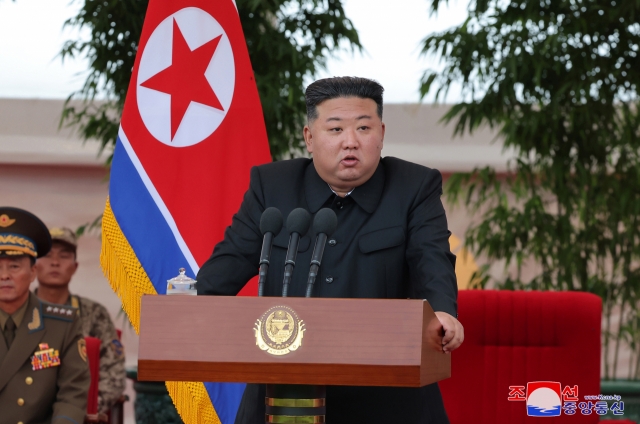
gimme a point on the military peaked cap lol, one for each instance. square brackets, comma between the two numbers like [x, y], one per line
[22, 233]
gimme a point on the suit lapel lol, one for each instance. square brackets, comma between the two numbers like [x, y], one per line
[24, 344]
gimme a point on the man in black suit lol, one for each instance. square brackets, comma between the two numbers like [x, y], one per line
[391, 240]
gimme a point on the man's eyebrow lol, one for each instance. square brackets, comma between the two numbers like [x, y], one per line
[336, 118]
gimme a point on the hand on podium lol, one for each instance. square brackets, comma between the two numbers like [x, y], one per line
[453, 332]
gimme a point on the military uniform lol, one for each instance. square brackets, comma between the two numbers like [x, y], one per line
[55, 393]
[96, 322]
[44, 375]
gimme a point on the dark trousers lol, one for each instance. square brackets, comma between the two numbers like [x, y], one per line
[351, 405]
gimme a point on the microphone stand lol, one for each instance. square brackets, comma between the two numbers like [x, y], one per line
[264, 262]
[290, 262]
[316, 258]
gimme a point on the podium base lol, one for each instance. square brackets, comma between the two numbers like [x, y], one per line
[295, 403]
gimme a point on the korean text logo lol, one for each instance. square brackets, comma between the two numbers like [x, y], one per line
[548, 399]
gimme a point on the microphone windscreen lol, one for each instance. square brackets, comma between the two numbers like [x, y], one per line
[271, 221]
[299, 221]
[325, 221]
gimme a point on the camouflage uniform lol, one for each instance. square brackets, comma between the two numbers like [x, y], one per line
[97, 323]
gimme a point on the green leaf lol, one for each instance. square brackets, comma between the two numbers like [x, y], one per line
[559, 81]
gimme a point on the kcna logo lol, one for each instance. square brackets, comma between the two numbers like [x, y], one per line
[186, 78]
[544, 399]
[547, 399]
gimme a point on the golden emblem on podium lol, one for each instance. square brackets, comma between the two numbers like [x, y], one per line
[279, 331]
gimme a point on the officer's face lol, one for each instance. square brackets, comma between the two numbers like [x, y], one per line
[346, 141]
[16, 274]
[57, 267]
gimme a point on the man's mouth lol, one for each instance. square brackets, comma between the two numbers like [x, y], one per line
[349, 160]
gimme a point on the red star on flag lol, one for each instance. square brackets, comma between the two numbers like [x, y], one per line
[185, 80]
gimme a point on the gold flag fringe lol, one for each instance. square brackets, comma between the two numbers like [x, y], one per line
[192, 402]
[130, 282]
[122, 268]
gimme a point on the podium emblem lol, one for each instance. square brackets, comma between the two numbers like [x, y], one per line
[279, 331]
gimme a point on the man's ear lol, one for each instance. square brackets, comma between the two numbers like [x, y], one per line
[382, 140]
[34, 273]
[308, 138]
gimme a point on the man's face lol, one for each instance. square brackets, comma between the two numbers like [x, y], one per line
[16, 274]
[346, 141]
[58, 266]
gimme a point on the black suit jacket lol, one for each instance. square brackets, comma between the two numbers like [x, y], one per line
[391, 242]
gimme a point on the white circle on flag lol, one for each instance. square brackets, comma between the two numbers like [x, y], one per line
[200, 121]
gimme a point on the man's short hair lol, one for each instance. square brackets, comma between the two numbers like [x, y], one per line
[332, 88]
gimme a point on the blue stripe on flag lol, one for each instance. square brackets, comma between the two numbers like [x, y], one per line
[157, 250]
[142, 223]
[226, 399]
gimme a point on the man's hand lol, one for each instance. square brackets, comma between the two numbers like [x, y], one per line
[453, 332]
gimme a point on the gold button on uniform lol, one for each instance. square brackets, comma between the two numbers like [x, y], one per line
[20, 422]
[20, 401]
[28, 380]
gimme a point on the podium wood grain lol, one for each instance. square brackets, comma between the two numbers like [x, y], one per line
[357, 342]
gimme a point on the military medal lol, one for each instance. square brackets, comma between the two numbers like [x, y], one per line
[46, 357]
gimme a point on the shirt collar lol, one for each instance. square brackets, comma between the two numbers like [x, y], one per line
[367, 196]
[346, 195]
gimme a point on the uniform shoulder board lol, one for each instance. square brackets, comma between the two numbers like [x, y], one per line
[63, 312]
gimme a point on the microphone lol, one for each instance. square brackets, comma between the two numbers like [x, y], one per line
[324, 224]
[270, 226]
[298, 223]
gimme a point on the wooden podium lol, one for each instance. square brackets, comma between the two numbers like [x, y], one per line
[352, 342]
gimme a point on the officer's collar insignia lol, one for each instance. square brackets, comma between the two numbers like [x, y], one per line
[46, 357]
[5, 221]
[62, 312]
[36, 321]
[75, 303]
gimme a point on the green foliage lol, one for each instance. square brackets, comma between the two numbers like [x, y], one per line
[288, 42]
[559, 80]
[111, 49]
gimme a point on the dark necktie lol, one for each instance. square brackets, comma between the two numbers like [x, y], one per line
[9, 331]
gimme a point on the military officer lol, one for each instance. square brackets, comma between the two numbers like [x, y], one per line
[44, 376]
[54, 272]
